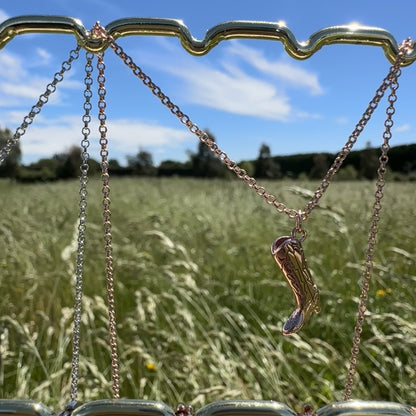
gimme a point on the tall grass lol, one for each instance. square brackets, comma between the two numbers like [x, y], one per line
[199, 300]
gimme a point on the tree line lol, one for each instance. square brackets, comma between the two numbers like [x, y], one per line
[204, 163]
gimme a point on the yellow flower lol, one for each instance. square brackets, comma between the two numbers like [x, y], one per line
[381, 292]
[151, 366]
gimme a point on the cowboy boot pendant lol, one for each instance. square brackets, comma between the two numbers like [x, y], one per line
[288, 254]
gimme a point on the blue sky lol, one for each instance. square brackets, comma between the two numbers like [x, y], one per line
[246, 92]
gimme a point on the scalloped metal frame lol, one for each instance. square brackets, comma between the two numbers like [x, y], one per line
[278, 31]
[348, 34]
[132, 407]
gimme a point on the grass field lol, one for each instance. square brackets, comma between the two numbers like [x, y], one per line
[200, 302]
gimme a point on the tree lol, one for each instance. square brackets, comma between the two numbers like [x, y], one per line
[44, 169]
[142, 163]
[368, 162]
[319, 167]
[265, 166]
[68, 163]
[205, 163]
[10, 166]
[113, 164]
[248, 167]
[346, 173]
[114, 168]
[173, 167]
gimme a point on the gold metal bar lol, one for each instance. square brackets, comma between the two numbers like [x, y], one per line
[348, 34]
[123, 407]
[366, 408]
[40, 24]
[23, 408]
[246, 408]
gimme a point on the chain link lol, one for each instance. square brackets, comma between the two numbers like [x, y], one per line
[112, 327]
[35, 110]
[392, 82]
[345, 151]
[298, 215]
[193, 128]
[82, 225]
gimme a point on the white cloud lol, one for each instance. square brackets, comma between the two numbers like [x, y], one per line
[259, 89]
[49, 139]
[19, 90]
[3, 16]
[27, 93]
[125, 136]
[11, 67]
[44, 55]
[19, 87]
[133, 134]
[285, 71]
[234, 91]
[12, 118]
[402, 128]
[342, 120]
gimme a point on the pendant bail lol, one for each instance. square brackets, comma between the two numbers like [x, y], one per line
[298, 232]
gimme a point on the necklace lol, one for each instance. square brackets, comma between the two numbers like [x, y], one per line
[287, 250]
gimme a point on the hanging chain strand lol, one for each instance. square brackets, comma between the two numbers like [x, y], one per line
[82, 225]
[35, 110]
[112, 327]
[368, 265]
[298, 215]
[394, 72]
[202, 136]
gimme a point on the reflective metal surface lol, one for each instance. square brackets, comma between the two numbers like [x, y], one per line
[23, 408]
[351, 34]
[366, 408]
[129, 407]
[289, 256]
[246, 408]
[112, 407]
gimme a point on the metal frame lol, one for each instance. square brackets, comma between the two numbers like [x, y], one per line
[10, 407]
[348, 34]
[129, 407]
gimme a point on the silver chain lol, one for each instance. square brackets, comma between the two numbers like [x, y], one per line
[109, 269]
[35, 110]
[390, 81]
[392, 78]
[5, 151]
[82, 225]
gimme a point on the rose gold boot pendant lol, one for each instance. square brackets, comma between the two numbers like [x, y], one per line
[288, 253]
